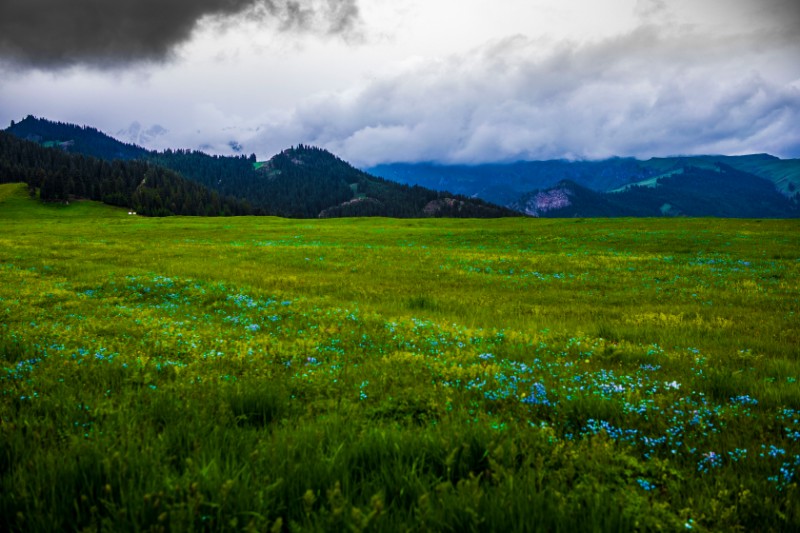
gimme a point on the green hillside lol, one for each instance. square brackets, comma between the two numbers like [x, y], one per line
[784, 173]
[15, 200]
[12, 193]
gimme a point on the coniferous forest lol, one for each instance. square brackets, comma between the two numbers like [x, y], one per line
[146, 188]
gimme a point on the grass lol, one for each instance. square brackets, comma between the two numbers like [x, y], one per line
[396, 375]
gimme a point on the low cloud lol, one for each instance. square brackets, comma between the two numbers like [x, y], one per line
[657, 90]
[54, 34]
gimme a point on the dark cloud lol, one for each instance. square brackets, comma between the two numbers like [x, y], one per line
[782, 13]
[108, 33]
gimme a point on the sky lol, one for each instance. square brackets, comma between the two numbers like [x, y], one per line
[446, 81]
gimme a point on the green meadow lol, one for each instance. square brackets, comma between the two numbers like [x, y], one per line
[264, 374]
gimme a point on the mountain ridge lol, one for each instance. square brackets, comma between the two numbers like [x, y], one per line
[301, 182]
[306, 182]
[516, 184]
[694, 191]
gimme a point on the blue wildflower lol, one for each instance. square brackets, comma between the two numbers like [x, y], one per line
[646, 485]
[537, 395]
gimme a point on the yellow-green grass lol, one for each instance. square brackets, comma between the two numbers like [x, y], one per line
[509, 375]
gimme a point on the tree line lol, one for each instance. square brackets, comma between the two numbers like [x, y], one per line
[57, 176]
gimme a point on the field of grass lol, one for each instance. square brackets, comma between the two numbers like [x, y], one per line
[264, 374]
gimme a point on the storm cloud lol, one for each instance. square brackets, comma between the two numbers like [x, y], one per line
[452, 81]
[53, 34]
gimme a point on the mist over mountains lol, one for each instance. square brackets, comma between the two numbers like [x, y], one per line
[306, 181]
[140, 135]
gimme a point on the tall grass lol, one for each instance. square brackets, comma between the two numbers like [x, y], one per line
[396, 375]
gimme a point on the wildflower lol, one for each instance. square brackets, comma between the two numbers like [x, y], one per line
[737, 454]
[611, 388]
[646, 485]
[774, 451]
[744, 400]
[709, 460]
[538, 395]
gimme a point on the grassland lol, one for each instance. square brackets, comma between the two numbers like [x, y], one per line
[396, 375]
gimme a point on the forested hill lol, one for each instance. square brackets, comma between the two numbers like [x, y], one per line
[75, 139]
[307, 181]
[298, 182]
[139, 185]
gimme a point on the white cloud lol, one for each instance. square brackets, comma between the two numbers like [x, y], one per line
[656, 90]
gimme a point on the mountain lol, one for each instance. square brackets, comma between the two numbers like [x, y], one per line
[298, 182]
[568, 199]
[305, 181]
[309, 181]
[58, 176]
[75, 139]
[783, 173]
[721, 191]
[504, 183]
[516, 185]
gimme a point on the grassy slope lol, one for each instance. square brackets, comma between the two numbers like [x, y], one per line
[785, 173]
[16, 203]
[197, 373]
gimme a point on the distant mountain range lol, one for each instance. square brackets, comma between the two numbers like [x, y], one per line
[305, 181]
[298, 182]
[697, 192]
[758, 185]
[505, 183]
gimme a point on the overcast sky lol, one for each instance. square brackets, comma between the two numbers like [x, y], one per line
[452, 81]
